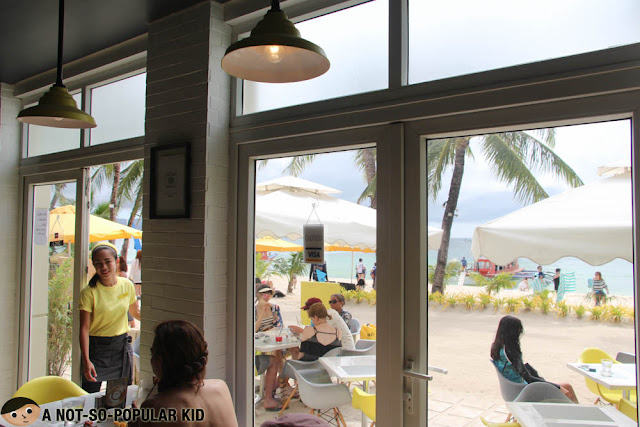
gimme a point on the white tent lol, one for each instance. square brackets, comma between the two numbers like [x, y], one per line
[592, 222]
[284, 205]
[435, 236]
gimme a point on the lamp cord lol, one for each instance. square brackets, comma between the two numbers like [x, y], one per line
[60, 38]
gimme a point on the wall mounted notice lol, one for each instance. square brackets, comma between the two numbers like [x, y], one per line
[41, 227]
[313, 243]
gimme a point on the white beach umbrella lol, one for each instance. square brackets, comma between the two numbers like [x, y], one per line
[434, 238]
[592, 222]
[284, 205]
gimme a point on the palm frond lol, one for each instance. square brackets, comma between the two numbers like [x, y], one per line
[298, 164]
[369, 191]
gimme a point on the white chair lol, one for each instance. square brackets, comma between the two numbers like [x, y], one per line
[324, 399]
[312, 371]
[355, 328]
[508, 389]
[542, 392]
[364, 344]
[624, 357]
[368, 351]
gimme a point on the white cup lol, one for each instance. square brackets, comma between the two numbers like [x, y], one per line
[606, 367]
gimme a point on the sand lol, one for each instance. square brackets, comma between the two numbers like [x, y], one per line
[459, 340]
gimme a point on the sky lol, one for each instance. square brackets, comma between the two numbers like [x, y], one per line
[482, 196]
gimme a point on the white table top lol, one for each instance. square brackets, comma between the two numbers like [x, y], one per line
[623, 374]
[265, 341]
[351, 368]
[535, 414]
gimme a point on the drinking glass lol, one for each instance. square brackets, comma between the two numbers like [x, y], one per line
[606, 367]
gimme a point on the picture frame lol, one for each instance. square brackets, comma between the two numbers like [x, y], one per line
[170, 184]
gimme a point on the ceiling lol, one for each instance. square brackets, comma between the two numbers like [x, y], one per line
[29, 29]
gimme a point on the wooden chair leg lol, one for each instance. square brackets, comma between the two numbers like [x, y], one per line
[341, 417]
[286, 404]
[508, 418]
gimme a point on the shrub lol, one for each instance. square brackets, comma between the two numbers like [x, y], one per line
[495, 283]
[579, 310]
[451, 270]
[614, 313]
[542, 300]
[484, 300]
[372, 297]
[450, 300]
[438, 297]
[497, 304]
[563, 309]
[469, 300]
[348, 295]
[360, 296]
[596, 313]
[60, 320]
[528, 303]
[432, 296]
[512, 304]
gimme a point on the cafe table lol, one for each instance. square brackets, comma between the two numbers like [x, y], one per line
[265, 342]
[623, 375]
[352, 369]
[539, 414]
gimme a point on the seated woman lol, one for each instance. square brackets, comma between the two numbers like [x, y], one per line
[507, 356]
[179, 358]
[318, 339]
[333, 319]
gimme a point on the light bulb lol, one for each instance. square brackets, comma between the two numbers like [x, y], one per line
[274, 54]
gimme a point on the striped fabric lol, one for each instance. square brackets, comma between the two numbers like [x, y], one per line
[537, 284]
[567, 284]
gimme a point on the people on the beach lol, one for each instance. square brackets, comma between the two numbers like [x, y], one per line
[105, 345]
[524, 285]
[599, 286]
[361, 270]
[360, 285]
[337, 302]
[463, 261]
[507, 356]
[556, 280]
[135, 274]
[179, 358]
[374, 273]
[540, 273]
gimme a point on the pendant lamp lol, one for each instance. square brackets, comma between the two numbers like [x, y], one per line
[57, 108]
[275, 52]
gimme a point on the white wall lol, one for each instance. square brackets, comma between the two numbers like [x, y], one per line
[9, 235]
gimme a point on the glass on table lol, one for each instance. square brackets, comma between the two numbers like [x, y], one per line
[606, 367]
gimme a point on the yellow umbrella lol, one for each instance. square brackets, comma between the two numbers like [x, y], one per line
[265, 244]
[62, 227]
[346, 248]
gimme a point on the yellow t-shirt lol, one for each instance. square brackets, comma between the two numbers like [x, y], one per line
[108, 306]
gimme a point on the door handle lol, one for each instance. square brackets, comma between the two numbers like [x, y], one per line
[410, 375]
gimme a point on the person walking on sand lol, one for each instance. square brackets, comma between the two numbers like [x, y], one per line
[361, 270]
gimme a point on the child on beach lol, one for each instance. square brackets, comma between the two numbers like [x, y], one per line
[599, 285]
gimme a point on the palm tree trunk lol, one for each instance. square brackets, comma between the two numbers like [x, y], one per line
[462, 144]
[370, 172]
[134, 213]
[113, 208]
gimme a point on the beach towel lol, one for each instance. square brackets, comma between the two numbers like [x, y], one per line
[322, 276]
[537, 284]
[567, 284]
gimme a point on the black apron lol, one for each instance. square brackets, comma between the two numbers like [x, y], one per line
[111, 356]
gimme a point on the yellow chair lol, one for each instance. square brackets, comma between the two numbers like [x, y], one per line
[629, 408]
[49, 389]
[595, 355]
[490, 424]
[365, 402]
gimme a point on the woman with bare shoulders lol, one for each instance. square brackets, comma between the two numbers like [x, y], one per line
[179, 358]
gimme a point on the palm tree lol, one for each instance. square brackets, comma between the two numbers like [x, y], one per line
[290, 267]
[514, 157]
[364, 159]
[131, 189]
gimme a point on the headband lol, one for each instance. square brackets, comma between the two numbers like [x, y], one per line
[105, 245]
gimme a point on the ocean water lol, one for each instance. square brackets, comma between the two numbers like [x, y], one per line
[339, 264]
[618, 273]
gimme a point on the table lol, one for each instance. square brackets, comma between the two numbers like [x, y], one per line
[87, 403]
[265, 342]
[623, 376]
[352, 368]
[536, 414]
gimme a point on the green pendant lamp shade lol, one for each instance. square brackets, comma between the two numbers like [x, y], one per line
[275, 53]
[57, 108]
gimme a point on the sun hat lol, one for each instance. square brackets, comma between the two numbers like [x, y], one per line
[310, 302]
[264, 289]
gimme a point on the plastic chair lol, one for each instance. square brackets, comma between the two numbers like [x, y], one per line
[364, 344]
[542, 392]
[366, 403]
[312, 370]
[595, 355]
[490, 424]
[508, 389]
[624, 357]
[369, 351]
[323, 398]
[355, 328]
[48, 389]
[629, 408]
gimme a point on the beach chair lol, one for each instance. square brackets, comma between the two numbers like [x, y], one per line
[595, 355]
[567, 284]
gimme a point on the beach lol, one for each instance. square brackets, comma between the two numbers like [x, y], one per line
[459, 340]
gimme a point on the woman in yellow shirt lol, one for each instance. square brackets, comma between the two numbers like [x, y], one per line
[104, 342]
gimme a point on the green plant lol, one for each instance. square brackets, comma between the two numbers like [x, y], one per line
[528, 303]
[290, 267]
[543, 301]
[563, 309]
[579, 310]
[469, 300]
[484, 300]
[438, 297]
[348, 295]
[360, 296]
[451, 271]
[372, 297]
[497, 304]
[60, 319]
[263, 267]
[596, 313]
[614, 313]
[493, 284]
[432, 296]
[450, 300]
[512, 304]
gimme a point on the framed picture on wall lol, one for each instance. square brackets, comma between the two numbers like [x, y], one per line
[170, 181]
